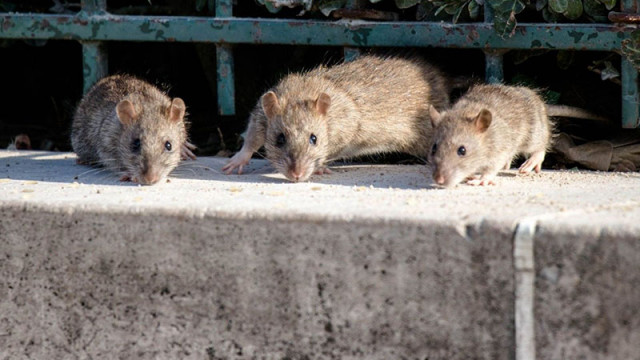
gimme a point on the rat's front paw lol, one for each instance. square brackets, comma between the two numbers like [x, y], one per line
[186, 151]
[238, 160]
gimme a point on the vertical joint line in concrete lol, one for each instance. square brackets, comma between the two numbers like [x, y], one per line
[524, 265]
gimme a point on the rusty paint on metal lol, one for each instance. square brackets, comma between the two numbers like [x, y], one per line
[605, 37]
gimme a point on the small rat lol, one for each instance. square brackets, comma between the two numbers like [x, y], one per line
[132, 128]
[370, 105]
[483, 132]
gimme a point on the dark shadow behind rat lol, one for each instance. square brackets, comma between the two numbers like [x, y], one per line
[368, 106]
[131, 128]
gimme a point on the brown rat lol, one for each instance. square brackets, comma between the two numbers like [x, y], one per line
[132, 128]
[483, 132]
[370, 105]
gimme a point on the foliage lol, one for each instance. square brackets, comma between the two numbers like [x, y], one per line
[505, 12]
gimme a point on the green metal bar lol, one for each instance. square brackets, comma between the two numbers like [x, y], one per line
[225, 70]
[226, 83]
[493, 66]
[94, 63]
[350, 53]
[94, 53]
[629, 78]
[596, 37]
[494, 73]
[630, 97]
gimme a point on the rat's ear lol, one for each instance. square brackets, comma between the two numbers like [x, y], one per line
[323, 102]
[435, 116]
[126, 112]
[270, 105]
[483, 120]
[177, 110]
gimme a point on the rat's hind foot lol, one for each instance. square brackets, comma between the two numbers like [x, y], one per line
[239, 160]
[534, 162]
[186, 151]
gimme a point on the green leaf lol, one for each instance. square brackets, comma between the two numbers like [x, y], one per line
[609, 4]
[327, 6]
[559, 6]
[451, 9]
[505, 12]
[594, 8]
[550, 16]
[474, 9]
[374, 1]
[458, 12]
[540, 4]
[505, 26]
[405, 4]
[574, 9]
[442, 7]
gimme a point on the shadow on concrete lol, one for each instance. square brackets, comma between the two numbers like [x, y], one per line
[55, 167]
[414, 177]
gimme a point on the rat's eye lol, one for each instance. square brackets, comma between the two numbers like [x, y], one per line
[313, 139]
[280, 140]
[167, 146]
[135, 145]
[462, 151]
[434, 149]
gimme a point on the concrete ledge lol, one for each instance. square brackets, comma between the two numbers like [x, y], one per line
[367, 263]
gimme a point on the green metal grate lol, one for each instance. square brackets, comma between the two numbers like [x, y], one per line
[93, 25]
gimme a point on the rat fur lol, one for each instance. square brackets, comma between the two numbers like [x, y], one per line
[132, 128]
[485, 130]
[370, 105]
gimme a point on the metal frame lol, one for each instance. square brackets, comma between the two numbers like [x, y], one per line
[93, 25]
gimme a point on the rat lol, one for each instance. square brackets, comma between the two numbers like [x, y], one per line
[132, 128]
[370, 105]
[485, 130]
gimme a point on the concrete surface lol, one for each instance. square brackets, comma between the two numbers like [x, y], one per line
[371, 262]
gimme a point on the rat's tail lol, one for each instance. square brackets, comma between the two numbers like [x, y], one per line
[573, 112]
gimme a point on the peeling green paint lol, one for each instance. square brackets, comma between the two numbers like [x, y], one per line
[361, 36]
[576, 35]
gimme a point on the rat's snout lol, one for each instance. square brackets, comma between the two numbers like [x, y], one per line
[438, 177]
[298, 171]
[149, 175]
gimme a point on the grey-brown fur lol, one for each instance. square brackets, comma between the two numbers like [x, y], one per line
[517, 124]
[374, 105]
[100, 136]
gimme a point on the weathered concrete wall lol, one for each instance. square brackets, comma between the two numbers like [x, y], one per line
[587, 293]
[153, 286]
[371, 262]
